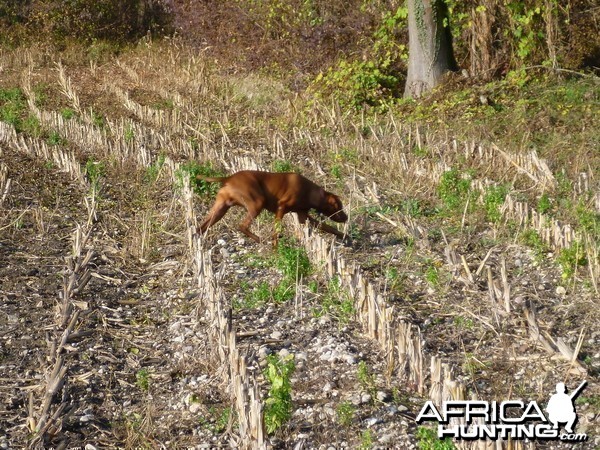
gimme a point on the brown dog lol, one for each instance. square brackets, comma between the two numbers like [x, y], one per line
[279, 193]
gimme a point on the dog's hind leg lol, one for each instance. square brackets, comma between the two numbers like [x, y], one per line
[214, 215]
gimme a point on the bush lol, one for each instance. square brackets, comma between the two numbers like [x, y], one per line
[89, 20]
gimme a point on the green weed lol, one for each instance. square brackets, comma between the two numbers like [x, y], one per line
[427, 440]
[142, 379]
[278, 404]
[493, 199]
[454, 188]
[336, 302]
[280, 165]
[191, 170]
[292, 260]
[345, 413]
[366, 440]
[94, 170]
[570, 259]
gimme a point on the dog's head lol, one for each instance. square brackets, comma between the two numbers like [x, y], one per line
[333, 208]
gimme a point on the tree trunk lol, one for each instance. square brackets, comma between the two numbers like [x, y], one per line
[430, 46]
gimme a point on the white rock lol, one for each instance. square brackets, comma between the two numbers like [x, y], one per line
[195, 407]
[560, 290]
[365, 398]
[284, 353]
[276, 335]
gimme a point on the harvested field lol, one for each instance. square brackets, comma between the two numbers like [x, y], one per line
[120, 328]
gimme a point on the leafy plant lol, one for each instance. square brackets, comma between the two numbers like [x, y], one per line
[94, 170]
[142, 379]
[366, 378]
[278, 404]
[454, 188]
[345, 413]
[493, 199]
[153, 170]
[428, 440]
[292, 260]
[336, 302]
[366, 440]
[570, 258]
[12, 106]
[191, 170]
[280, 165]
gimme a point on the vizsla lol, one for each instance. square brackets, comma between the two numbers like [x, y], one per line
[279, 193]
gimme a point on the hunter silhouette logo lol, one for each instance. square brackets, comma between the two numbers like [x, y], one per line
[509, 419]
[560, 407]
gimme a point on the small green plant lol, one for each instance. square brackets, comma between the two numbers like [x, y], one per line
[98, 120]
[411, 207]
[532, 239]
[428, 440]
[142, 379]
[278, 405]
[153, 170]
[67, 113]
[366, 440]
[544, 204]
[12, 106]
[432, 274]
[464, 323]
[493, 199]
[292, 260]
[366, 378]
[345, 413]
[94, 170]
[454, 188]
[281, 165]
[588, 219]
[571, 258]
[54, 138]
[129, 134]
[259, 295]
[191, 170]
[336, 302]
[217, 419]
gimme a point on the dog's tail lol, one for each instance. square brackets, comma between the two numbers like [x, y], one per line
[212, 179]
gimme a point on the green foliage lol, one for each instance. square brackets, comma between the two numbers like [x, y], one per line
[544, 204]
[374, 82]
[12, 107]
[427, 440]
[191, 170]
[336, 302]
[432, 274]
[217, 419]
[92, 20]
[357, 84]
[292, 260]
[67, 113]
[588, 219]
[454, 188]
[154, 169]
[142, 379]
[571, 258]
[532, 239]
[94, 171]
[366, 378]
[345, 413]
[366, 440]
[280, 165]
[493, 199]
[278, 404]
[54, 138]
